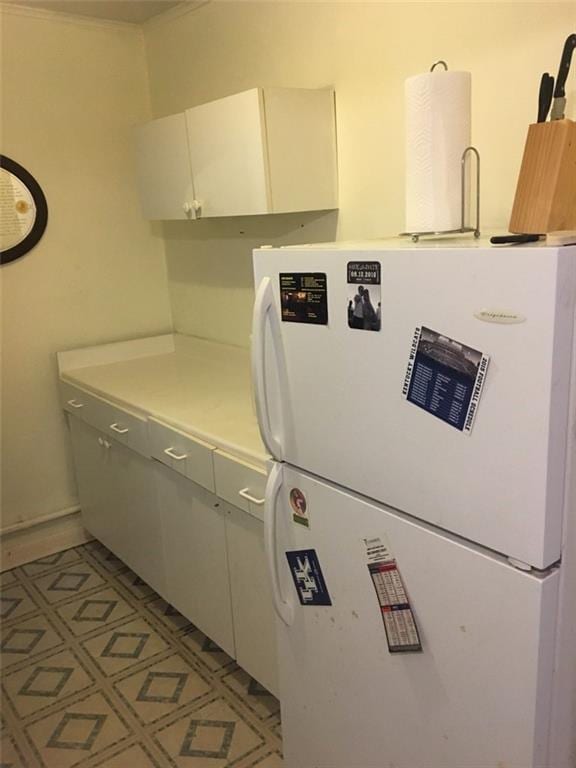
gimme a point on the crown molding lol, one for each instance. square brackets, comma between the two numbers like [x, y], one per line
[184, 8]
[43, 14]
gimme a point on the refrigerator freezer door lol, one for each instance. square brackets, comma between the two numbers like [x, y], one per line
[333, 394]
[479, 692]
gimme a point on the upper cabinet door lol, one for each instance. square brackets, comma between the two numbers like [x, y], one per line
[164, 175]
[301, 149]
[227, 154]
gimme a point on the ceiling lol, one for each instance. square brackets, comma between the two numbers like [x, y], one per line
[132, 11]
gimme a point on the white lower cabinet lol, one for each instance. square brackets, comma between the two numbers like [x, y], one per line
[194, 534]
[204, 553]
[216, 573]
[251, 598]
[116, 490]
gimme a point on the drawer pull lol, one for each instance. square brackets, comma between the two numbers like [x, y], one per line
[75, 404]
[177, 456]
[245, 495]
[120, 430]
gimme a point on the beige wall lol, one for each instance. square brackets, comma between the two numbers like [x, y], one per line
[365, 50]
[71, 94]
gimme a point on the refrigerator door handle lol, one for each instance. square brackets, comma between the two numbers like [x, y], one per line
[262, 306]
[283, 608]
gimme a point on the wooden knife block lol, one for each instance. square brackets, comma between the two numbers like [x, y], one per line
[546, 191]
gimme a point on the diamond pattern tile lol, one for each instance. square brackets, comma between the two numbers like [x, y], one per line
[45, 682]
[76, 731]
[8, 605]
[21, 640]
[61, 585]
[126, 645]
[208, 738]
[72, 581]
[163, 688]
[27, 638]
[95, 611]
[98, 671]
[15, 602]
[156, 680]
[57, 561]
[215, 732]
[65, 737]
[8, 578]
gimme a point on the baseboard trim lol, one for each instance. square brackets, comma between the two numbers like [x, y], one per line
[34, 521]
[20, 545]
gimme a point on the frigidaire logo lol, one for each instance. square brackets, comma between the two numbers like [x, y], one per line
[499, 316]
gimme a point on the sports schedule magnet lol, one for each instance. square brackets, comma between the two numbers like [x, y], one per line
[445, 378]
[397, 615]
[304, 297]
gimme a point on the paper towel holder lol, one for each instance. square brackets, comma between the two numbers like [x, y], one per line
[463, 228]
[440, 61]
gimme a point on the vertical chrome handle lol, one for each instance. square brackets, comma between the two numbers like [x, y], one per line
[283, 608]
[262, 306]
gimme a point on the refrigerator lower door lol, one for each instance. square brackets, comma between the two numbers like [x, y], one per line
[477, 694]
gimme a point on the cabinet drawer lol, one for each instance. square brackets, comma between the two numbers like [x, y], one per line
[125, 427]
[80, 404]
[185, 454]
[239, 483]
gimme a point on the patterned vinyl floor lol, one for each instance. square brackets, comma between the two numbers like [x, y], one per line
[98, 671]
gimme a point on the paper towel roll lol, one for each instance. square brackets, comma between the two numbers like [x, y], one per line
[437, 133]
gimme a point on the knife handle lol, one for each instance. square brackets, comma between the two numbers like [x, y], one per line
[565, 61]
[545, 96]
[513, 239]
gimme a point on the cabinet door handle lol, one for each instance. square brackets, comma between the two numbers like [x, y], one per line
[177, 456]
[245, 495]
[75, 404]
[121, 430]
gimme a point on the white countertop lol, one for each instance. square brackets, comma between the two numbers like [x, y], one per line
[202, 388]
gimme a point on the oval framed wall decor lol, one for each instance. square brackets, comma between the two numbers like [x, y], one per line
[23, 211]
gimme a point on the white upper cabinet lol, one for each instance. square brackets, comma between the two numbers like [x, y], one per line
[267, 150]
[164, 174]
[228, 155]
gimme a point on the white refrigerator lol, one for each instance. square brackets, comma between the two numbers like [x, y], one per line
[419, 405]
